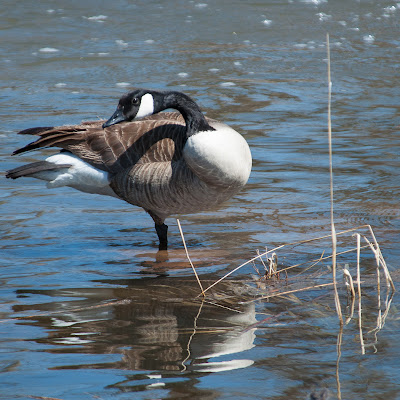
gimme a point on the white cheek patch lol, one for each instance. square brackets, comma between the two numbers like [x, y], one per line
[146, 106]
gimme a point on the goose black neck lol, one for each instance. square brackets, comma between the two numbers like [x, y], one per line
[191, 113]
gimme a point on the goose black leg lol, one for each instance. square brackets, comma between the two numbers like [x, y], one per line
[161, 229]
[162, 232]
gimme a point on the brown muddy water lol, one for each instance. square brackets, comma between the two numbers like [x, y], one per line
[91, 311]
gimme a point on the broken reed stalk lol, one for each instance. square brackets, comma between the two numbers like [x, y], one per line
[379, 259]
[379, 317]
[187, 255]
[349, 282]
[333, 230]
[380, 320]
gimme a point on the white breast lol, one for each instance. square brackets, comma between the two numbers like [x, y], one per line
[221, 157]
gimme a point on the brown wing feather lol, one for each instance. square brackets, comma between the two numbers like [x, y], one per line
[157, 138]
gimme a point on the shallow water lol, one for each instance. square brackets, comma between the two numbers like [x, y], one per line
[90, 310]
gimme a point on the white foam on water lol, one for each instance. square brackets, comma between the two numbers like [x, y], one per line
[267, 22]
[98, 18]
[183, 74]
[369, 38]
[149, 41]
[60, 84]
[323, 17]
[213, 69]
[315, 2]
[122, 44]
[390, 9]
[300, 45]
[227, 84]
[48, 50]
[122, 84]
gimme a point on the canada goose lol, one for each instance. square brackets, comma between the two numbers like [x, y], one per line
[166, 163]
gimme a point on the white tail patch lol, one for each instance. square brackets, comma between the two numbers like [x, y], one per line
[146, 106]
[81, 175]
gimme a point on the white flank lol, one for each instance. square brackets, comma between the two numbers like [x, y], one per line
[220, 157]
[146, 106]
[81, 175]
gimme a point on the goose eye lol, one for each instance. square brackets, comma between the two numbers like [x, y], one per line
[135, 101]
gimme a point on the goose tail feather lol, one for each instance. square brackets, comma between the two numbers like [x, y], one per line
[34, 169]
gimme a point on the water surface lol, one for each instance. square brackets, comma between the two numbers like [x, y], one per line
[91, 310]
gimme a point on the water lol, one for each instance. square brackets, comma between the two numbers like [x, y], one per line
[90, 310]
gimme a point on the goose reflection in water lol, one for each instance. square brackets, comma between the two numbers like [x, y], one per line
[154, 324]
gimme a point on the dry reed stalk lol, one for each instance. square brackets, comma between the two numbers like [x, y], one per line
[260, 255]
[314, 263]
[350, 317]
[263, 321]
[382, 317]
[317, 260]
[187, 255]
[379, 321]
[349, 282]
[272, 265]
[359, 293]
[213, 303]
[262, 261]
[289, 292]
[380, 260]
[333, 230]
[240, 266]
[280, 247]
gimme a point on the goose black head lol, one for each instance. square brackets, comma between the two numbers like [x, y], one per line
[134, 105]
